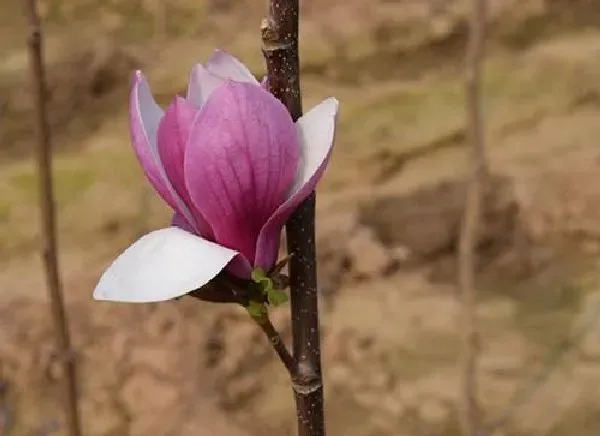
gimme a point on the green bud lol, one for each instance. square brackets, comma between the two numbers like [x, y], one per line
[256, 310]
[258, 275]
[276, 297]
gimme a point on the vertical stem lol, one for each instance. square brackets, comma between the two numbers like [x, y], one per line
[49, 243]
[280, 49]
[469, 413]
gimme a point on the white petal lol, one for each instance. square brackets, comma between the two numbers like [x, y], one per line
[160, 266]
[229, 67]
[202, 84]
[317, 131]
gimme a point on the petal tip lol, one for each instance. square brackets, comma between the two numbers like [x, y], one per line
[195, 73]
[138, 76]
[196, 68]
[332, 104]
[98, 295]
[220, 55]
[141, 87]
[219, 52]
[227, 66]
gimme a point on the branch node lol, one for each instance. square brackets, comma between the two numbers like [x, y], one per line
[306, 380]
[272, 38]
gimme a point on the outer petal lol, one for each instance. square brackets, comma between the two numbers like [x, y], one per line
[229, 67]
[162, 265]
[317, 132]
[144, 117]
[173, 134]
[246, 146]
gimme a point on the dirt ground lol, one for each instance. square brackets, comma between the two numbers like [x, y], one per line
[388, 215]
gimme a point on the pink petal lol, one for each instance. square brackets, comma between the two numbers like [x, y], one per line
[144, 119]
[240, 163]
[317, 132]
[240, 267]
[224, 65]
[173, 133]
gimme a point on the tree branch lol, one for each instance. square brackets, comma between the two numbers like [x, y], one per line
[280, 48]
[49, 242]
[469, 413]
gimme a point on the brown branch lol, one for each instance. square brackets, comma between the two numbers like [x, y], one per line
[280, 48]
[469, 413]
[49, 242]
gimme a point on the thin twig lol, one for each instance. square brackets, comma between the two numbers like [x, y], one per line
[224, 289]
[278, 345]
[49, 242]
[280, 48]
[469, 416]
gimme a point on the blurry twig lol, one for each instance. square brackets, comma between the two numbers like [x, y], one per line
[469, 418]
[49, 243]
[280, 49]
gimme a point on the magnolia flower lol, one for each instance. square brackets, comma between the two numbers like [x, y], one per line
[232, 164]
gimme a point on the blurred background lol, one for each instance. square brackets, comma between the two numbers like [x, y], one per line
[389, 210]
